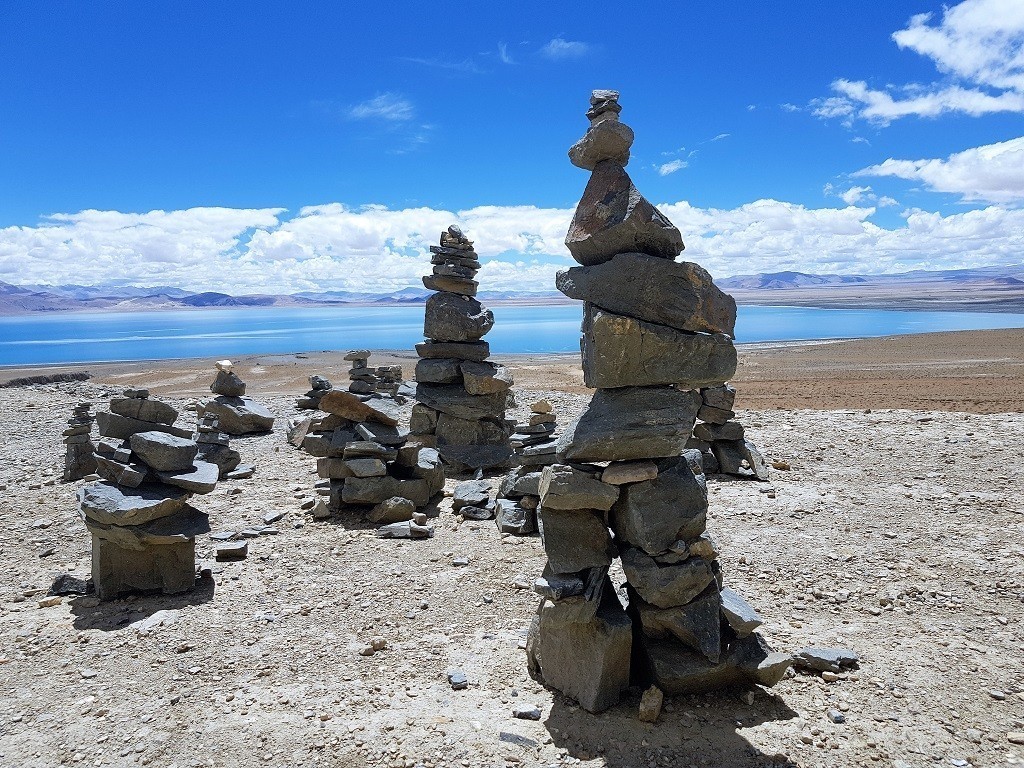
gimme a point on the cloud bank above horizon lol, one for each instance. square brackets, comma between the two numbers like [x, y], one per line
[377, 249]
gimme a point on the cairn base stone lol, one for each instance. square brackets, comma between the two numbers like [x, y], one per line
[238, 415]
[170, 568]
[79, 461]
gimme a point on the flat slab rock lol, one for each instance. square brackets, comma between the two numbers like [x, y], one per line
[679, 294]
[113, 505]
[351, 406]
[238, 415]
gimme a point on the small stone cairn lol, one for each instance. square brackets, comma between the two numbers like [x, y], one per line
[318, 387]
[655, 332]
[368, 466]
[236, 414]
[389, 379]
[461, 395]
[721, 440]
[362, 378]
[214, 446]
[143, 527]
[535, 442]
[80, 453]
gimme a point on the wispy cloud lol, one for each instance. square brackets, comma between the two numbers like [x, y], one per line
[671, 167]
[386, 106]
[719, 137]
[855, 195]
[787, 107]
[560, 48]
[504, 55]
[978, 45]
[467, 66]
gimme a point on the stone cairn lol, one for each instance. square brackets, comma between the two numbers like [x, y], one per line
[720, 438]
[143, 528]
[535, 442]
[362, 378]
[655, 331]
[236, 414]
[214, 447]
[461, 395]
[318, 387]
[389, 379]
[80, 453]
[368, 466]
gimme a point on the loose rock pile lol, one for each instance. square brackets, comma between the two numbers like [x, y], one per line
[318, 387]
[237, 414]
[368, 465]
[389, 379]
[720, 438]
[143, 528]
[80, 453]
[461, 395]
[655, 332]
[535, 442]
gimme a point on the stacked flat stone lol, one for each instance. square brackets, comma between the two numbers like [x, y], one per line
[535, 442]
[79, 452]
[369, 467]
[461, 395]
[236, 414]
[720, 438]
[142, 525]
[318, 387]
[214, 446]
[654, 333]
[362, 378]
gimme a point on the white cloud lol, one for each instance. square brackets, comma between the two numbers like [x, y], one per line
[854, 195]
[719, 137]
[787, 107]
[671, 167]
[559, 48]
[993, 173]
[374, 248]
[503, 55]
[978, 45]
[386, 106]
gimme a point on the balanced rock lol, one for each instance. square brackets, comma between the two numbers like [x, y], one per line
[163, 452]
[450, 317]
[608, 140]
[238, 415]
[227, 383]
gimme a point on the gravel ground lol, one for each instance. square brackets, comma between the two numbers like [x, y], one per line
[897, 533]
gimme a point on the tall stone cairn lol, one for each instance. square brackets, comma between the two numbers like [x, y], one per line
[79, 453]
[142, 525]
[655, 331]
[461, 395]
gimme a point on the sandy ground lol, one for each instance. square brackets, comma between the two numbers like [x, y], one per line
[898, 532]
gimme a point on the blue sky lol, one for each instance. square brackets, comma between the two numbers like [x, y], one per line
[323, 145]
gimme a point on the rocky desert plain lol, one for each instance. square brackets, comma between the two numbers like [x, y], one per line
[892, 524]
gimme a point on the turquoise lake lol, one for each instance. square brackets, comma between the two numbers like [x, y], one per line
[94, 337]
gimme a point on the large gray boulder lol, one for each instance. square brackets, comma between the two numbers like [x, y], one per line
[455, 401]
[238, 415]
[666, 586]
[587, 661]
[680, 295]
[621, 351]
[654, 514]
[575, 539]
[113, 505]
[144, 409]
[163, 452]
[122, 427]
[631, 423]
[451, 317]
[613, 217]
[350, 406]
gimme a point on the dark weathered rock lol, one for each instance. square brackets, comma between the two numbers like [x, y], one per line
[199, 477]
[144, 409]
[224, 457]
[485, 378]
[443, 370]
[163, 452]
[113, 505]
[406, 529]
[826, 659]
[228, 384]
[79, 461]
[562, 487]
[450, 317]
[466, 350]
[722, 397]
[513, 518]
[455, 401]
[621, 351]
[423, 420]
[122, 427]
[366, 467]
[666, 586]
[350, 406]
[238, 415]
[575, 539]
[586, 661]
[179, 528]
[471, 493]
[653, 514]
[374, 490]
[608, 140]
[733, 430]
[755, 460]
[696, 624]
[171, 569]
[520, 482]
[385, 434]
[451, 284]
[738, 613]
[393, 510]
[680, 295]
[714, 415]
[678, 670]
[730, 455]
[631, 423]
[476, 443]
[130, 475]
[613, 217]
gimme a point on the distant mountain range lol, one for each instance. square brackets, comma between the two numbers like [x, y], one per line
[983, 288]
